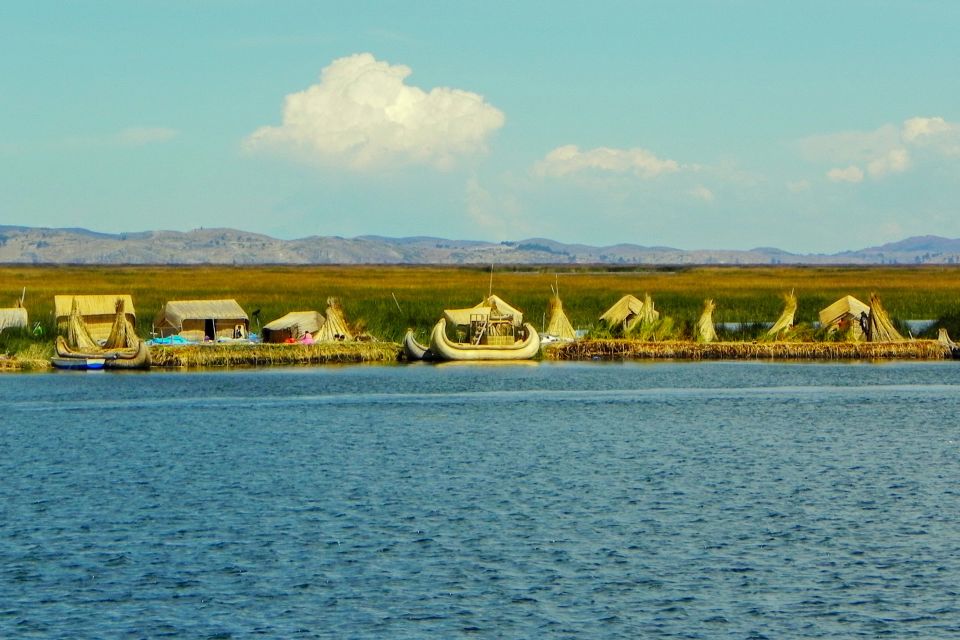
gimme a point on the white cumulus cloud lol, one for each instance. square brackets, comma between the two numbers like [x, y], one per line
[570, 159]
[363, 115]
[935, 133]
[852, 173]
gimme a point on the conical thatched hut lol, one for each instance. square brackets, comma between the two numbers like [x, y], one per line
[199, 320]
[558, 325]
[293, 326]
[97, 311]
[705, 329]
[785, 321]
[881, 329]
[846, 314]
[14, 318]
[335, 329]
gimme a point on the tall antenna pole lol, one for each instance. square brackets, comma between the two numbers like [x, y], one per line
[491, 282]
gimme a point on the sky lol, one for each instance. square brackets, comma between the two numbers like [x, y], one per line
[809, 126]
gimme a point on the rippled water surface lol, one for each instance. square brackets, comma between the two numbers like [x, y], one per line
[713, 500]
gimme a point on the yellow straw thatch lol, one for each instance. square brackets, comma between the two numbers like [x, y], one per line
[335, 329]
[559, 325]
[705, 330]
[881, 328]
[78, 336]
[785, 321]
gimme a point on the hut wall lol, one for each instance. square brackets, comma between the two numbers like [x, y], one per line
[15, 317]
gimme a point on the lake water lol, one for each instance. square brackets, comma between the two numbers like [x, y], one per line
[661, 500]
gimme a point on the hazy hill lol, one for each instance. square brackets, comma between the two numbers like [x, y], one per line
[230, 246]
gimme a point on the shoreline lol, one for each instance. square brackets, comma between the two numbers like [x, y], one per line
[265, 355]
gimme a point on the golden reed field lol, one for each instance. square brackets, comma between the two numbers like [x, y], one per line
[385, 300]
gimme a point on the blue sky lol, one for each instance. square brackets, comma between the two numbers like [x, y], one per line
[813, 127]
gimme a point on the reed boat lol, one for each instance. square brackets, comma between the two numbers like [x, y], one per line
[443, 348]
[413, 350]
[136, 357]
[78, 364]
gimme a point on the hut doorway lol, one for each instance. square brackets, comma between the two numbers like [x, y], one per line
[210, 329]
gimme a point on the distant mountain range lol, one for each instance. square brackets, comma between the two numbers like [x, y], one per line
[28, 245]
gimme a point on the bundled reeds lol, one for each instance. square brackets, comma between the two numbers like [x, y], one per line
[705, 330]
[688, 350]
[78, 335]
[558, 324]
[122, 334]
[881, 328]
[785, 321]
[258, 355]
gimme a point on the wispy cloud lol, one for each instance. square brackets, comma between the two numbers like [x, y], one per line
[501, 218]
[885, 151]
[700, 192]
[852, 174]
[569, 159]
[362, 115]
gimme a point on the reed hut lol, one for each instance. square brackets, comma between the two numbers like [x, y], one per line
[293, 326]
[558, 324]
[705, 329]
[14, 318]
[199, 320]
[785, 321]
[623, 312]
[629, 311]
[846, 314]
[881, 328]
[335, 329]
[98, 312]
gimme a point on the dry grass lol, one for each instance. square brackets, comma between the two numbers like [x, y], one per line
[742, 294]
[686, 350]
[34, 357]
[258, 355]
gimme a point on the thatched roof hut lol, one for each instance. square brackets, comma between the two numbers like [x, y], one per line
[97, 311]
[705, 329]
[293, 326]
[13, 318]
[200, 320]
[335, 329]
[491, 305]
[622, 312]
[845, 314]
[557, 323]
[629, 311]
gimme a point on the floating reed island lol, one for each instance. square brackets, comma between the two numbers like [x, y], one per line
[625, 349]
[267, 354]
